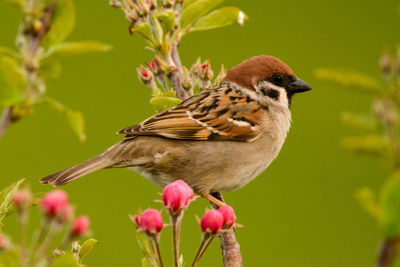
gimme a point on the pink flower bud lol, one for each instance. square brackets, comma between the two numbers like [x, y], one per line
[176, 196]
[145, 75]
[137, 220]
[66, 214]
[212, 221]
[22, 198]
[4, 243]
[54, 202]
[228, 214]
[80, 226]
[154, 66]
[151, 221]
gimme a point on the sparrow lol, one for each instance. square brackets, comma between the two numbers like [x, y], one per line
[217, 140]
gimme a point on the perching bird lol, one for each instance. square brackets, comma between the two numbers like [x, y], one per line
[217, 140]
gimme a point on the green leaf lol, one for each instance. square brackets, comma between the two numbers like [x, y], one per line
[167, 20]
[6, 196]
[10, 258]
[350, 79]
[374, 145]
[76, 48]
[158, 30]
[197, 10]
[141, 239]
[75, 118]
[359, 122]
[12, 81]
[62, 23]
[161, 103]
[145, 262]
[187, 3]
[66, 260]
[86, 248]
[390, 206]
[77, 123]
[367, 200]
[5, 51]
[144, 30]
[219, 18]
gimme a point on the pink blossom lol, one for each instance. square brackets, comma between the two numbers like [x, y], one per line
[22, 198]
[228, 214]
[54, 202]
[66, 214]
[151, 221]
[176, 196]
[212, 221]
[80, 226]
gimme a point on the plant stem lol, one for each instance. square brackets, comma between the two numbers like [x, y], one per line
[5, 120]
[388, 252]
[176, 228]
[176, 75]
[230, 247]
[206, 240]
[23, 220]
[156, 248]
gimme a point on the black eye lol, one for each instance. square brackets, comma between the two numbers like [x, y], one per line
[277, 79]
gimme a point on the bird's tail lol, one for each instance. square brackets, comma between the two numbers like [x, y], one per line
[68, 175]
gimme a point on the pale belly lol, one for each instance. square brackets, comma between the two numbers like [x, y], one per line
[212, 166]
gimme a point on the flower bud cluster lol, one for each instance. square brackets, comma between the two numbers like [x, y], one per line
[54, 205]
[213, 221]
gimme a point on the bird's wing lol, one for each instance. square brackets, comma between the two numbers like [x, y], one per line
[217, 113]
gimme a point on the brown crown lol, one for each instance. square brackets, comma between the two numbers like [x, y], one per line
[254, 69]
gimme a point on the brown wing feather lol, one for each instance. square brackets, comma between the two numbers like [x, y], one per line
[218, 113]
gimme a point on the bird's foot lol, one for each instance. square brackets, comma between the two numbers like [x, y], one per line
[213, 200]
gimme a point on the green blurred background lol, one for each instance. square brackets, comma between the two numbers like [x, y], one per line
[300, 212]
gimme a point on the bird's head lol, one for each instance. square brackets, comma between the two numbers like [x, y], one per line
[268, 76]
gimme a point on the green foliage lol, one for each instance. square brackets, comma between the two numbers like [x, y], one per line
[367, 199]
[62, 23]
[6, 196]
[5, 51]
[359, 122]
[86, 248]
[66, 260]
[351, 79]
[167, 20]
[11, 258]
[390, 206]
[196, 10]
[12, 81]
[372, 144]
[40, 39]
[223, 17]
[164, 101]
[76, 48]
[75, 118]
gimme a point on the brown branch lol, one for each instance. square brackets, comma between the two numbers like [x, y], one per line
[176, 74]
[46, 19]
[6, 120]
[388, 252]
[230, 247]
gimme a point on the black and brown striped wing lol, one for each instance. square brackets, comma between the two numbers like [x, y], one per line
[218, 113]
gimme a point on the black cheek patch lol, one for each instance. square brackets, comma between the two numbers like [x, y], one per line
[271, 93]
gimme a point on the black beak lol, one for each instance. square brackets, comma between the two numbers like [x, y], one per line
[298, 86]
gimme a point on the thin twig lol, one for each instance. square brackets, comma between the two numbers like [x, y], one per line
[388, 252]
[175, 76]
[230, 247]
[6, 120]
[46, 19]
[176, 228]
